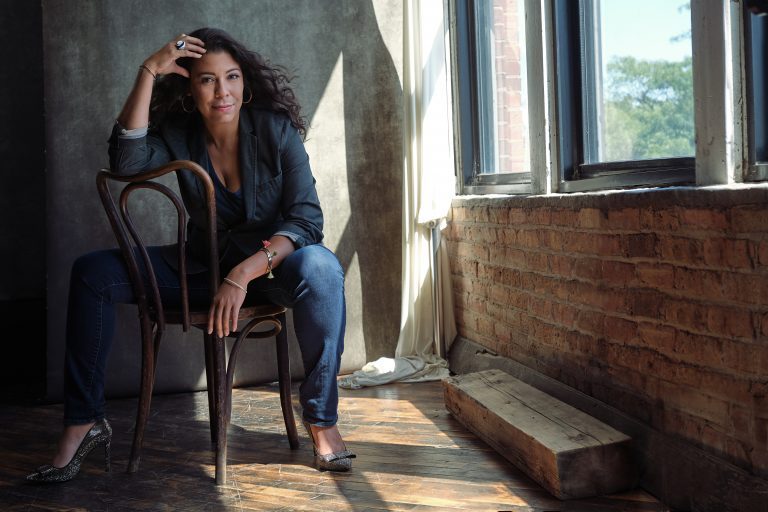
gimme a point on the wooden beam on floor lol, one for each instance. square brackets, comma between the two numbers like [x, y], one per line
[568, 452]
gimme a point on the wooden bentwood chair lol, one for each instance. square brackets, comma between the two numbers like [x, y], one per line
[153, 317]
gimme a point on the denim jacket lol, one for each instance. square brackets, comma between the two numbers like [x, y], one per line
[277, 183]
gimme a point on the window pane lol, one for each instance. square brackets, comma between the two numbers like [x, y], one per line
[501, 86]
[757, 70]
[639, 83]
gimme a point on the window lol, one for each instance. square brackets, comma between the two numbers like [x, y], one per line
[624, 93]
[756, 44]
[492, 87]
[579, 95]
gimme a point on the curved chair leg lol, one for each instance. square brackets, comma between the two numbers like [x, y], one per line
[284, 378]
[222, 416]
[145, 394]
[222, 384]
[210, 385]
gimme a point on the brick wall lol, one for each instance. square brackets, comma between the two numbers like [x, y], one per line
[654, 302]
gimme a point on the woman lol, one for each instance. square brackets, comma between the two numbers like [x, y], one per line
[224, 107]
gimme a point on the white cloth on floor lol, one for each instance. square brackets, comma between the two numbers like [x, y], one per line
[401, 369]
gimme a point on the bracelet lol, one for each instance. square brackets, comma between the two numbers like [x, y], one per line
[236, 285]
[154, 75]
[269, 273]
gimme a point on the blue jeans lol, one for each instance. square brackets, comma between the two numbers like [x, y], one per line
[310, 281]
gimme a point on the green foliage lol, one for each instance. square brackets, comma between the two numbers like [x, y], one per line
[648, 109]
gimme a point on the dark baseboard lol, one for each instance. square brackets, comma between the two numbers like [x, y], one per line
[23, 363]
[680, 474]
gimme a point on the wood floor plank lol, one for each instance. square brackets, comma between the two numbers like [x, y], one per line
[412, 456]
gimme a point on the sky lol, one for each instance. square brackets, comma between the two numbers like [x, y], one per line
[643, 29]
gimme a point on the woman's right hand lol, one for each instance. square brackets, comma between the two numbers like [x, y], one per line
[163, 61]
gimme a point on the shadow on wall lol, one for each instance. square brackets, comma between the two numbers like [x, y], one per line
[346, 36]
[374, 177]
[323, 39]
[22, 204]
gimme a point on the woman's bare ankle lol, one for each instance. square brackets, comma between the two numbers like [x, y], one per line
[327, 439]
[69, 442]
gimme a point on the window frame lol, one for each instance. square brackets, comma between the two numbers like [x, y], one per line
[555, 129]
[577, 133]
[756, 167]
[469, 137]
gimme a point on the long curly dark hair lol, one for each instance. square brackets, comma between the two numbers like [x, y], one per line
[268, 82]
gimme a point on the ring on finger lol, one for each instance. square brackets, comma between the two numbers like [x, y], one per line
[180, 44]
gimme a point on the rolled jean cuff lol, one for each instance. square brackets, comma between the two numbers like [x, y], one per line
[70, 422]
[318, 423]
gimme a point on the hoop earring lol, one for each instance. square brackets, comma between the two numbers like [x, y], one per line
[184, 106]
[250, 96]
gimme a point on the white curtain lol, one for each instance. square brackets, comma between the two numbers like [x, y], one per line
[427, 324]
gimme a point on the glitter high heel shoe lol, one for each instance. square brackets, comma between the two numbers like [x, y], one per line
[338, 461]
[99, 433]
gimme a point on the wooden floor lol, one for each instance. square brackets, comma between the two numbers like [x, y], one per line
[412, 455]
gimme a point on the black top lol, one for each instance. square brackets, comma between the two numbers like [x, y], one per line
[230, 206]
[230, 212]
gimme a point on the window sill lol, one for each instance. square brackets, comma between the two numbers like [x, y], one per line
[647, 178]
[684, 196]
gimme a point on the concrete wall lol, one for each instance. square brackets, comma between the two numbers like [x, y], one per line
[347, 57]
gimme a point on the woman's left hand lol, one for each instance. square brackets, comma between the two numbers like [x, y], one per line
[225, 309]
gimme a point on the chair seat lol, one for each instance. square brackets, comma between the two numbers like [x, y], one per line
[199, 317]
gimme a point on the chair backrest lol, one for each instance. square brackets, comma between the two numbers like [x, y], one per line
[131, 243]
